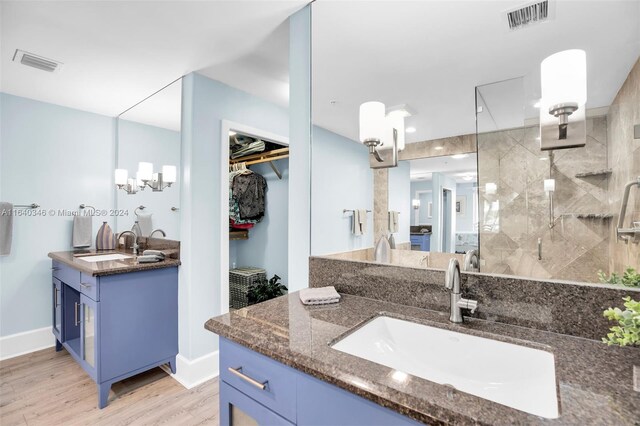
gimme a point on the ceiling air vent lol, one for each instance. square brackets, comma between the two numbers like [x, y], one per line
[531, 13]
[35, 61]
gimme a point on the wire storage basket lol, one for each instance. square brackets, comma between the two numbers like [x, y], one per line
[239, 281]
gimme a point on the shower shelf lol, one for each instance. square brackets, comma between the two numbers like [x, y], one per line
[589, 215]
[604, 172]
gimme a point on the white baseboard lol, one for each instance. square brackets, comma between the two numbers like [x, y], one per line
[191, 373]
[24, 343]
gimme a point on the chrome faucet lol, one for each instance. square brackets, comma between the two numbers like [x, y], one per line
[164, 234]
[452, 283]
[135, 240]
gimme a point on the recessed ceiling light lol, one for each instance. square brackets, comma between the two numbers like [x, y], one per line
[410, 130]
[543, 158]
[438, 148]
[232, 133]
[467, 177]
[537, 104]
[459, 156]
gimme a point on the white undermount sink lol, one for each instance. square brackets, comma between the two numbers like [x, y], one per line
[516, 376]
[105, 257]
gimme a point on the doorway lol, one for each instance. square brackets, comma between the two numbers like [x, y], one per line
[447, 215]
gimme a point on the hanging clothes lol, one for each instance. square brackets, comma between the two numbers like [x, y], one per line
[249, 191]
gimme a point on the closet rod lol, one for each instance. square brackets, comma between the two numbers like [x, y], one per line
[263, 157]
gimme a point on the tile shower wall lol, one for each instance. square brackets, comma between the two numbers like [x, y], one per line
[513, 219]
[624, 160]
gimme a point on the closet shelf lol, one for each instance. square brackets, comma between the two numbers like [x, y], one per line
[238, 234]
[263, 157]
[596, 173]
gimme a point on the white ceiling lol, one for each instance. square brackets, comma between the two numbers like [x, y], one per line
[457, 168]
[116, 53]
[432, 54]
[163, 109]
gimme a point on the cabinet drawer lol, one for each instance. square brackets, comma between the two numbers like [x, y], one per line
[270, 383]
[66, 274]
[89, 286]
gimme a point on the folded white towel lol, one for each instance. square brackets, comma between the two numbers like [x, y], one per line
[82, 235]
[362, 219]
[146, 223]
[6, 228]
[356, 229]
[319, 296]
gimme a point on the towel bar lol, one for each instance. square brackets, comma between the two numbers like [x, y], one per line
[26, 206]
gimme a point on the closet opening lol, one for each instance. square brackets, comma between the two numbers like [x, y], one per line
[257, 200]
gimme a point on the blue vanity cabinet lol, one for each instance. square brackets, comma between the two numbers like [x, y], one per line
[421, 242]
[255, 389]
[116, 326]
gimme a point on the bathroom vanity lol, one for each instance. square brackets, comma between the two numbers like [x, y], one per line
[373, 360]
[114, 316]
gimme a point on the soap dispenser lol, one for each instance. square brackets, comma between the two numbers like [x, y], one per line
[383, 250]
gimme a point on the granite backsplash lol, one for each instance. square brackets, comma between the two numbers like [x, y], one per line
[557, 306]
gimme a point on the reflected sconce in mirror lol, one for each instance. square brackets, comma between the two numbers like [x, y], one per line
[382, 133]
[415, 204]
[490, 188]
[145, 177]
[563, 81]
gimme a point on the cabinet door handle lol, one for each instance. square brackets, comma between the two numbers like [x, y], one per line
[55, 297]
[85, 285]
[75, 313]
[238, 372]
[55, 268]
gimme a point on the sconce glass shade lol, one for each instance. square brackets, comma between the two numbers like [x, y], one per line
[169, 174]
[415, 203]
[491, 188]
[394, 120]
[121, 176]
[563, 79]
[549, 185]
[132, 183]
[145, 171]
[372, 121]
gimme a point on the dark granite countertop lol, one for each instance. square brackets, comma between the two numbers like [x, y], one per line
[109, 267]
[595, 382]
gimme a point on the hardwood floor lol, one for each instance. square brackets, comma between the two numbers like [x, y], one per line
[50, 388]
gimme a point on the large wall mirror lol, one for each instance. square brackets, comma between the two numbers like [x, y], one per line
[149, 133]
[476, 174]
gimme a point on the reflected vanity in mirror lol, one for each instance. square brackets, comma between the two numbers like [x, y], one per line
[148, 163]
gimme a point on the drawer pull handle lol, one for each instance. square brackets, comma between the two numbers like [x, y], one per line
[238, 372]
[75, 314]
[55, 268]
[85, 285]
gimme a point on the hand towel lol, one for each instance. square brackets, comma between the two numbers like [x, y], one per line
[362, 219]
[356, 229]
[393, 222]
[146, 223]
[319, 296]
[82, 235]
[6, 228]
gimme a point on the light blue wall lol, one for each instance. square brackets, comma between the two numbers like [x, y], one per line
[341, 180]
[421, 185]
[59, 158]
[267, 244]
[400, 198]
[465, 223]
[140, 142]
[440, 182]
[205, 104]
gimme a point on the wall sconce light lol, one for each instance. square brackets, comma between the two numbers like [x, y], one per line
[382, 133]
[490, 188]
[563, 80]
[145, 177]
[415, 203]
